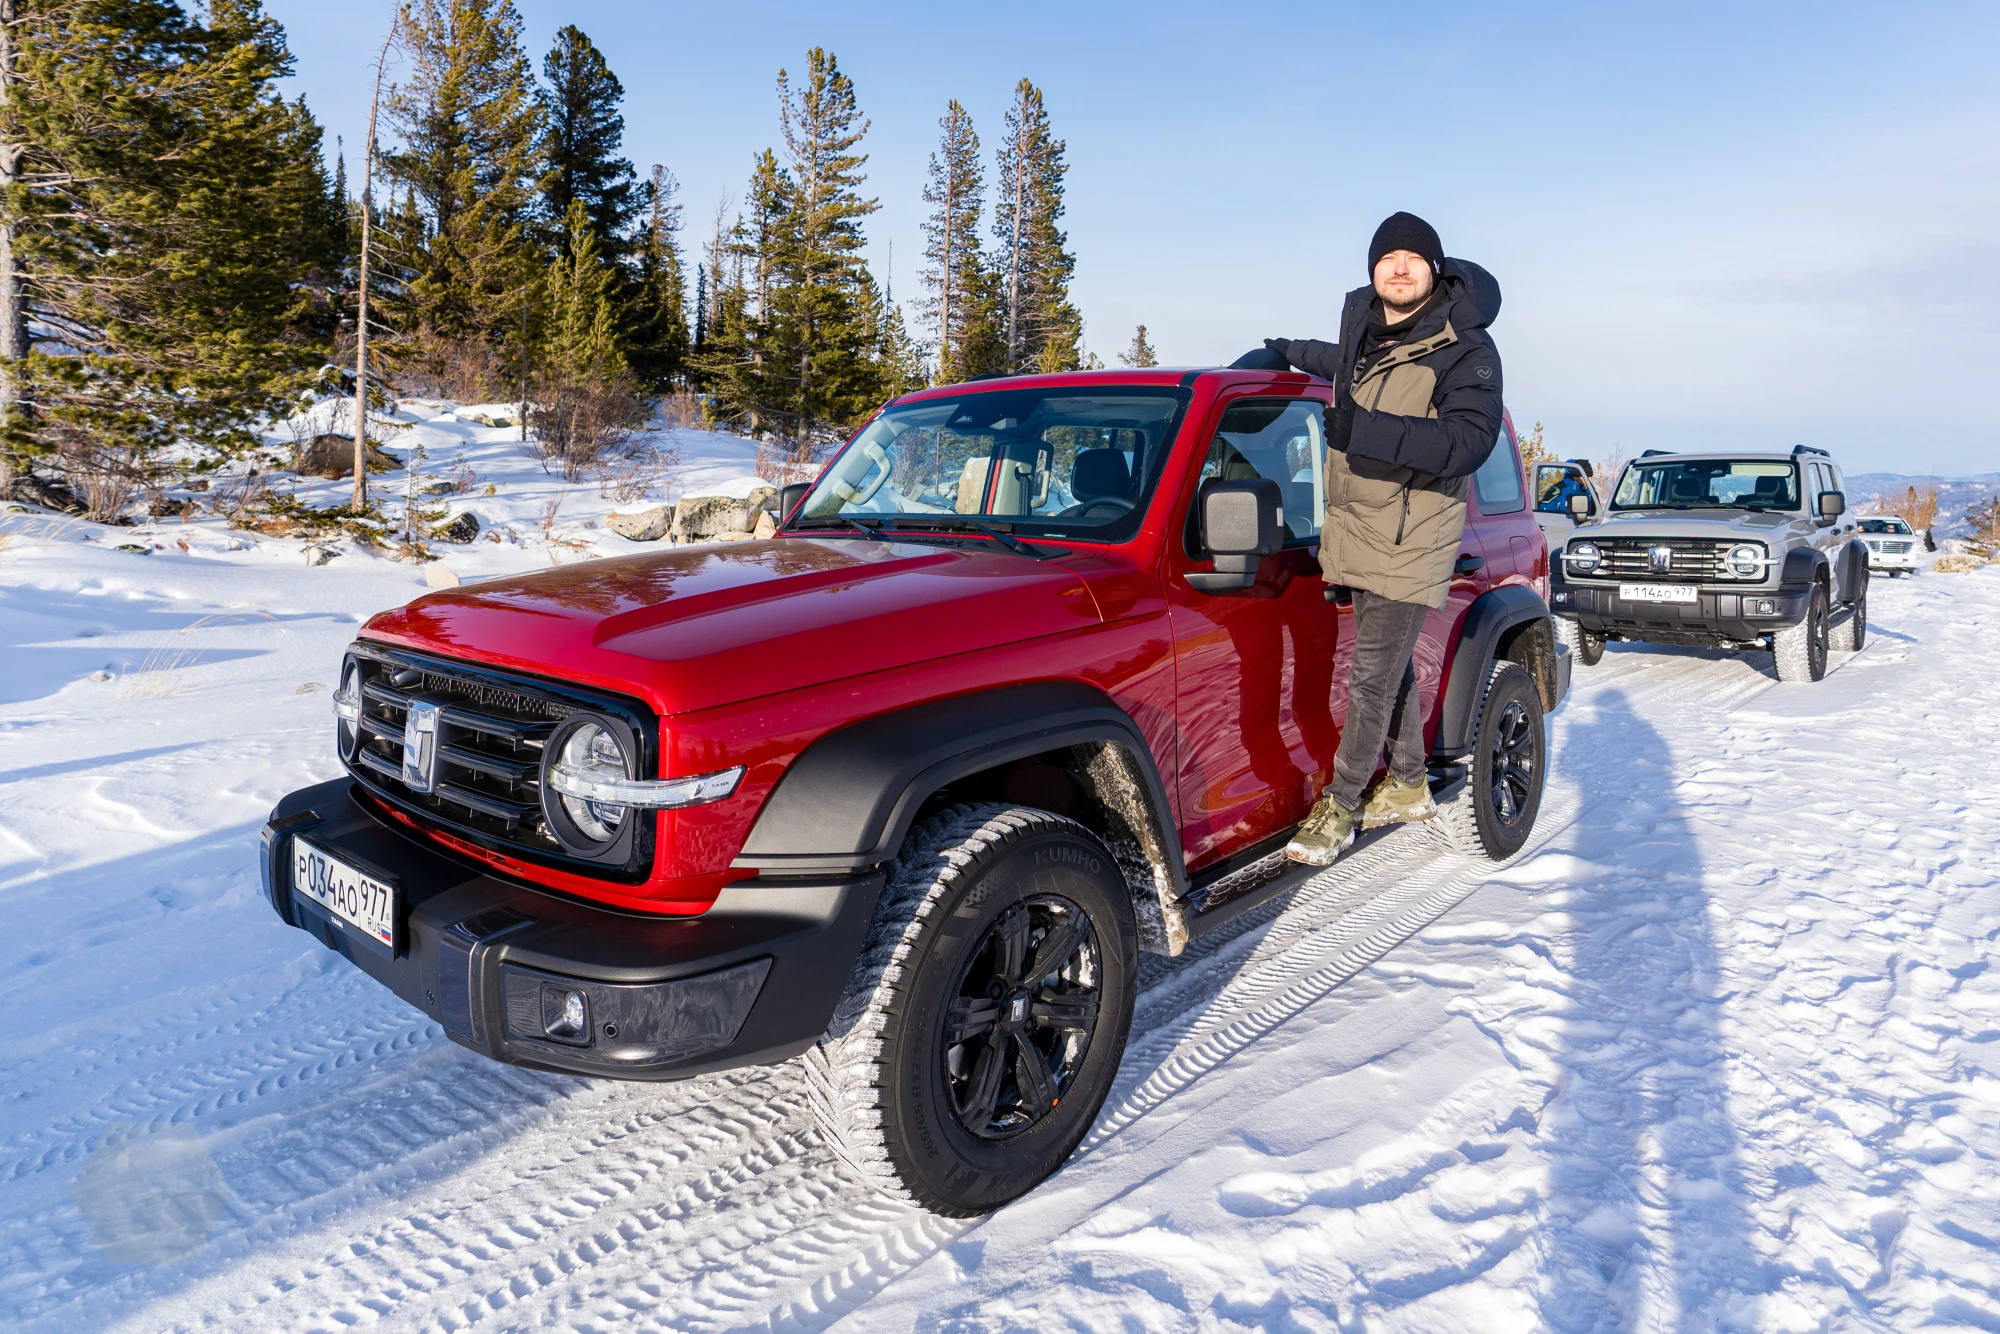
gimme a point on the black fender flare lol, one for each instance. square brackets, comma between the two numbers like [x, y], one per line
[1802, 566]
[847, 802]
[1854, 570]
[1492, 614]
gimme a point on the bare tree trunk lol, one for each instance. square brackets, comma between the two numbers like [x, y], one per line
[1014, 250]
[13, 304]
[360, 500]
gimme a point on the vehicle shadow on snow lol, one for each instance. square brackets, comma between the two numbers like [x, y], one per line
[1647, 1226]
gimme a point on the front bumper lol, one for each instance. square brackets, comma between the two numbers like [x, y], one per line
[752, 981]
[1892, 560]
[1717, 615]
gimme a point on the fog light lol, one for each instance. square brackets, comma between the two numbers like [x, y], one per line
[1561, 598]
[1761, 606]
[565, 1014]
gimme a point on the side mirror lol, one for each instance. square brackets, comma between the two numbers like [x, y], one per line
[790, 498]
[1832, 505]
[1241, 523]
[1581, 507]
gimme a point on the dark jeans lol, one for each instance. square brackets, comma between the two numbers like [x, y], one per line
[1382, 701]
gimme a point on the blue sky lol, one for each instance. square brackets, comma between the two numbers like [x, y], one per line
[1714, 224]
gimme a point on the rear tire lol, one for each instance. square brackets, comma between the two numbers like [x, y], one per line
[1852, 633]
[1584, 646]
[1799, 651]
[959, 1071]
[1493, 813]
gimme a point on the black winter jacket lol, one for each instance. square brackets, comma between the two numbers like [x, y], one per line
[1466, 397]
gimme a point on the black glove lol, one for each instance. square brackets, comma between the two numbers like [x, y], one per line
[1340, 427]
[1281, 346]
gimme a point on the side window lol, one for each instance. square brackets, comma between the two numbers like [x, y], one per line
[1280, 438]
[1498, 480]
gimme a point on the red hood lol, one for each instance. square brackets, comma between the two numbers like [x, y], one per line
[690, 629]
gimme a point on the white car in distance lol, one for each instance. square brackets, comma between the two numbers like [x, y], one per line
[1893, 546]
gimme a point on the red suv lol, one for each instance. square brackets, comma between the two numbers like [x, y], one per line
[1039, 673]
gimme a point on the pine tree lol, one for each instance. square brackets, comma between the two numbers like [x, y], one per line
[470, 128]
[797, 353]
[162, 272]
[1043, 330]
[582, 134]
[659, 339]
[580, 314]
[960, 307]
[1140, 354]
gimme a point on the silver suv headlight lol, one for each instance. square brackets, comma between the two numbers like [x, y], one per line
[1745, 561]
[1583, 557]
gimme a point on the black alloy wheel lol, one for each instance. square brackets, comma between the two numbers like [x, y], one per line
[1022, 1016]
[1493, 811]
[1591, 651]
[1514, 781]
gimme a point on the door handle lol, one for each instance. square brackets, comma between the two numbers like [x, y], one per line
[1469, 565]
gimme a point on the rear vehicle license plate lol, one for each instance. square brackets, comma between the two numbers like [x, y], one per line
[1659, 593]
[348, 894]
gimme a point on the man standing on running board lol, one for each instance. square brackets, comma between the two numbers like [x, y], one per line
[1416, 410]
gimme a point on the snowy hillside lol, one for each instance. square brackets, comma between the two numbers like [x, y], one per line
[1715, 1052]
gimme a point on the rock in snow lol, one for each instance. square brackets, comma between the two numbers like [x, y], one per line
[648, 525]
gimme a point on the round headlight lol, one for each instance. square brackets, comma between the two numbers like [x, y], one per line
[1583, 556]
[1746, 561]
[590, 749]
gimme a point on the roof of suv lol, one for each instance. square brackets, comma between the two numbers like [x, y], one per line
[1753, 455]
[1126, 377]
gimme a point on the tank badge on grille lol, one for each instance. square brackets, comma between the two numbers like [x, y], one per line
[420, 727]
[1660, 559]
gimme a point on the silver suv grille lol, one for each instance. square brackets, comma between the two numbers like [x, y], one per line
[484, 782]
[1689, 560]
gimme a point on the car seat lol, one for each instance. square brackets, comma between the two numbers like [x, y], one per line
[1687, 489]
[1100, 474]
[1771, 491]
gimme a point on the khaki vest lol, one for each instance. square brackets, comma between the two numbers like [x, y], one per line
[1389, 530]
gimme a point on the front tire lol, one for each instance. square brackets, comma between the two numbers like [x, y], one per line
[1493, 813]
[1799, 651]
[1852, 633]
[1584, 646]
[966, 1060]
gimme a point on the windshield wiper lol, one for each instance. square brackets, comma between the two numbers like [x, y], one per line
[839, 521]
[999, 532]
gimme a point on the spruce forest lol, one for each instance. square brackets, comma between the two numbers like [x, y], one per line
[183, 262]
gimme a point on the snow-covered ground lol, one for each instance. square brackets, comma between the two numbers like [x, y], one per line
[1715, 1053]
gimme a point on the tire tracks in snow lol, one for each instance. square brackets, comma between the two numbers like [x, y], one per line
[541, 1200]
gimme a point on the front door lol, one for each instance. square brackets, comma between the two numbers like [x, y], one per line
[1254, 672]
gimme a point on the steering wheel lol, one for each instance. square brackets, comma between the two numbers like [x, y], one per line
[859, 493]
[1118, 505]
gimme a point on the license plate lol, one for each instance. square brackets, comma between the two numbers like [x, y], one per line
[361, 900]
[1659, 593]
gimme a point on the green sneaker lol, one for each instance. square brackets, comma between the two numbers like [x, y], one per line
[1327, 831]
[1395, 802]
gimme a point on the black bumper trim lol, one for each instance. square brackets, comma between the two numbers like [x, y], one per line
[752, 981]
[1718, 616]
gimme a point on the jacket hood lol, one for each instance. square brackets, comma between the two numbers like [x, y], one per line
[1471, 299]
[701, 626]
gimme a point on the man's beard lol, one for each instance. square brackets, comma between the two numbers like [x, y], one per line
[1421, 288]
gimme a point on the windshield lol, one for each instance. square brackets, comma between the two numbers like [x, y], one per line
[1885, 526]
[1054, 462]
[1700, 483]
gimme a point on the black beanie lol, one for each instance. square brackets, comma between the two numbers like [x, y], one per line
[1406, 231]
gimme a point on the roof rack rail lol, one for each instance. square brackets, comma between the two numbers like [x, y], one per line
[1808, 449]
[1649, 453]
[988, 375]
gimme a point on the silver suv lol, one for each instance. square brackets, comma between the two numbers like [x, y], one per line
[1737, 550]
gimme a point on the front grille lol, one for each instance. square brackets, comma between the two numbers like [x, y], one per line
[1892, 548]
[492, 729]
[1691, 560]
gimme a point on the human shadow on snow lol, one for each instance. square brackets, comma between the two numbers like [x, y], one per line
[1647, 1227]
